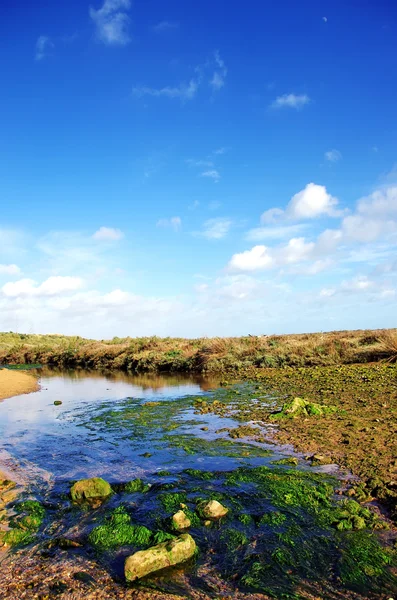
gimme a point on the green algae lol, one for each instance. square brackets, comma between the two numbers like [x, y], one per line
[289, 460]
[118, 531]
[191, 444]
[172, 501]
[204, 475]
[363, 562]
[24, 525]
[300, 407]
[136, 485]
[273, 518]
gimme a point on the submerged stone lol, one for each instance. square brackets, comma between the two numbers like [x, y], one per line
[94, 489]
[57, 402]
[166, 554]
[214, 510]
[180, 520]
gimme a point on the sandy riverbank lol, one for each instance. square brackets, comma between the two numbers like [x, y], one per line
[13, 383]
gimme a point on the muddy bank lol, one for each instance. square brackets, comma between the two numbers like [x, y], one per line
[14, 383]
[357, 428]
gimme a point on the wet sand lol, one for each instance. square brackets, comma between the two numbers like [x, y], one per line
[14, 383]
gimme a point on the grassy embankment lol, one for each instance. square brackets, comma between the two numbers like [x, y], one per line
[205, 355]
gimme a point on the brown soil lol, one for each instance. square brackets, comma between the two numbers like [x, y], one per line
[13, 383]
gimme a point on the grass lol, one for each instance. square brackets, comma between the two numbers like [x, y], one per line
[388, 342]
[204, 355]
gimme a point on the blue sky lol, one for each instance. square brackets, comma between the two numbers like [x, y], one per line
[197, 169]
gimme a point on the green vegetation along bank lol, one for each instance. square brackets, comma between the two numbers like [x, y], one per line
[204, 355]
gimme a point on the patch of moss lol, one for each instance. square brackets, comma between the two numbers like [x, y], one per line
[290, 460]
[26, 523]
[301, 407]
[136, 485]
[162, 536]
[234, 538]
[118, 531]
[273, 518]
[172, 501]
[197, 474]
[363, 562]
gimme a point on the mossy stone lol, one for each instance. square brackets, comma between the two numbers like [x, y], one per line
[94, 488]
[166, 554]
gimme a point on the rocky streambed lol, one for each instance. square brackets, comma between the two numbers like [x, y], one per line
[161, 489]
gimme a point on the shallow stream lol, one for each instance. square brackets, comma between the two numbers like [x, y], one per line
[281, 536]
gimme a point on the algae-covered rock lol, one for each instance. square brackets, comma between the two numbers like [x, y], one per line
[302, 407]
[94, 489]
[166, 554]
[137, 485]
[57, 402]
[180, 520]
[213, 510]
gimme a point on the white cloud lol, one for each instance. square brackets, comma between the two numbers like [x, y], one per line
[375, 216]
[333, 156]
[311, 202]
[212, 174]
[112, 22]
[108, 234]
[174, 222]
[259, 234]
[183, 91]
[318, 266]
[221, 150]
[297, 250]
[50, 287]
[256, 259]
[9, 270]
[43, 47]
[261, 257]
[165, 26]
[291, 101]
[216, 229]
[219, 75]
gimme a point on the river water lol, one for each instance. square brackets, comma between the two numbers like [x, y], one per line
[122, 427]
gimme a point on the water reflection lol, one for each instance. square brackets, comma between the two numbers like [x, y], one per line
[61, 440]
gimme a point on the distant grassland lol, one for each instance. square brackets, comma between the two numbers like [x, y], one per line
[203, 355]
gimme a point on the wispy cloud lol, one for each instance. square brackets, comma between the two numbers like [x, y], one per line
[188, 90]
[221, 150]
[108, 234]
[199, 163]
[43, 47]
[165, 26]
[333, 156]
[291, 101]
[219, 75]
[174, 223]
[9, 270]
[259, 234]
[112, 22]
[211, 174]
[216, 229]
[184, 91]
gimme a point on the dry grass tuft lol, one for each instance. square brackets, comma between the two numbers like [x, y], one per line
[388, 344]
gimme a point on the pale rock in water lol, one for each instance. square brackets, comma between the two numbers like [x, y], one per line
[180, 520]
[166, 554]
[214, 510]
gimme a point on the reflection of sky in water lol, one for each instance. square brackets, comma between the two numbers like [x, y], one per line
[65, 442]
